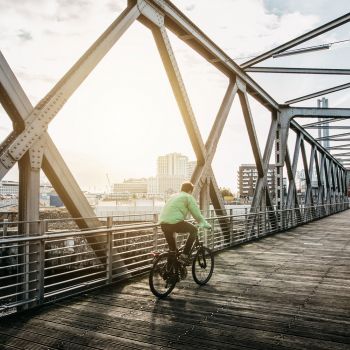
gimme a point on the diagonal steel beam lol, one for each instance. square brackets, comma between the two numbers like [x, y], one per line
[341, 154]
[341, 147]
[329, 127]
[300, 39]
[321, 178]
[250, 127]
[184, 28]
[328, 121]
[37, 122]
[262, 181]
[292, 172]
[179, 90]
[309, 197]
[214, 136]
[319, 93]
[334, 139]
[298, 70]
[288, 113]
[260, 164]
[332, 136]
[18, 107]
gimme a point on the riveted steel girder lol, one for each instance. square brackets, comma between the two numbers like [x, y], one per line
[37, 121]
[188, 32]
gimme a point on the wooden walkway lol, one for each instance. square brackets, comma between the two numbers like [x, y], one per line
[287, 291]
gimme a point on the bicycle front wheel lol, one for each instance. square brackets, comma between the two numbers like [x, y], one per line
[163, 276]
[203, 265]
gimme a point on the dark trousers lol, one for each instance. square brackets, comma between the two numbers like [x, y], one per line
[180, 227]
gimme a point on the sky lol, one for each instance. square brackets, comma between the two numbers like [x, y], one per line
[124, 114]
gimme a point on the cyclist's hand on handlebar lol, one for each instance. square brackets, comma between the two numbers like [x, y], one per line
[205, 225]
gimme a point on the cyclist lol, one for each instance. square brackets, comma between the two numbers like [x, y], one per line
[172, 219]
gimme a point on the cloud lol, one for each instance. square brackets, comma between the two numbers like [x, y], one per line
[31, 76]
[190, 7]
[68, 10]
[25, 35]
[114, 6]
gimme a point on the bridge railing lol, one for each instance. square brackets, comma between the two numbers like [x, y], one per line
[46, 266]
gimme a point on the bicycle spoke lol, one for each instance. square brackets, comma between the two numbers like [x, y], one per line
[163, 277]
[203, 266]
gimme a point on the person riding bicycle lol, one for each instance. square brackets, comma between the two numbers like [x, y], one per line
[172, 219]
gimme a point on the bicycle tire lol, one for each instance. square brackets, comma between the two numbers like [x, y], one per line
[162, 275]
[203, 266]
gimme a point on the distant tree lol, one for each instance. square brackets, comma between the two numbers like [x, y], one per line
[225, 192]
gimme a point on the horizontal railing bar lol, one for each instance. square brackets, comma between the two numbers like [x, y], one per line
[10, 306]
[74, 271]
[19, 293]
[72, 263]
[18, 265]
[73, 279]
[75, 254]
[64, 290]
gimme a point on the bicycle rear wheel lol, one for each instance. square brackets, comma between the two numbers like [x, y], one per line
[203, 265]
[163, 276]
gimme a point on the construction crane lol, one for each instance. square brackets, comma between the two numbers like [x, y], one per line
[109, 188]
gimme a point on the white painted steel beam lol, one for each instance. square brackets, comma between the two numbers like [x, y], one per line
[300, 39]
[319, 93]
[328, 127]
[286, 70]
[326, 121]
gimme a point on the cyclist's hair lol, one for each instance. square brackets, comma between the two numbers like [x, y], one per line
[187, 187]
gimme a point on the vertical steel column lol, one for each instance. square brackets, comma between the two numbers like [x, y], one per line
[204, 197]
[28, 211]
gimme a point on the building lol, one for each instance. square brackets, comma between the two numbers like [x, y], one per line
[172, 171]
[9, 188]
[152, 186]
[191, 165]
[168, 184]
[248, 176]
[131, 186]
[172, 164]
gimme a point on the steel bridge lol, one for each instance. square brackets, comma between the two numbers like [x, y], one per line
[39, 266]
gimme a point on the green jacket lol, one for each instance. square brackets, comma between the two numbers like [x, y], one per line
[177, 208]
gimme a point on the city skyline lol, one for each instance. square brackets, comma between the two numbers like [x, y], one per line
[125, 114]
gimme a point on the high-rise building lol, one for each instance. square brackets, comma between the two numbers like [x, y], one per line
[152, 186]
[248, 176]
[172, 170]
[172, 164]
[191, 165]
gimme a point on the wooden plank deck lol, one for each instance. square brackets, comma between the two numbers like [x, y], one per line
[287, 291]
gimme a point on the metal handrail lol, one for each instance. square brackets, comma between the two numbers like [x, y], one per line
[39, 268]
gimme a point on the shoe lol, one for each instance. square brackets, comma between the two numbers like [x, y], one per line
[184, 259]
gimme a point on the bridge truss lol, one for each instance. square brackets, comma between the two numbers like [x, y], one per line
[31, 146]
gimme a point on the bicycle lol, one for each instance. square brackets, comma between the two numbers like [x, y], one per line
[167, 270]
